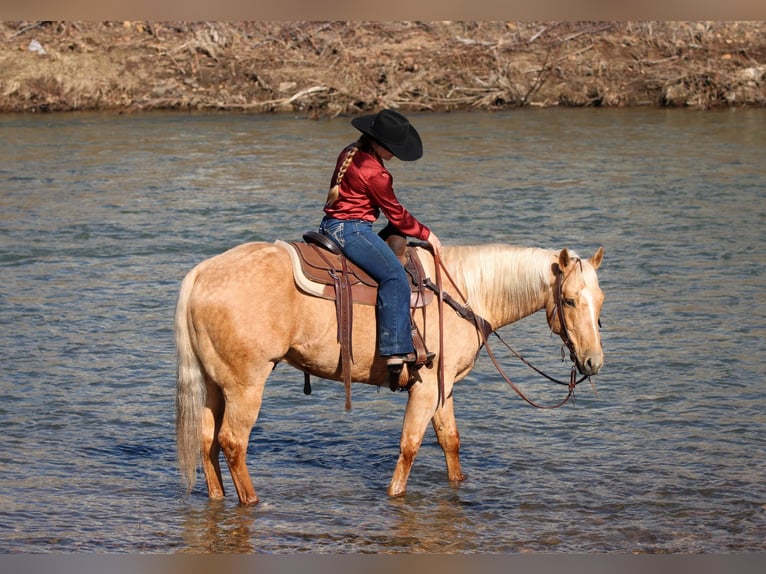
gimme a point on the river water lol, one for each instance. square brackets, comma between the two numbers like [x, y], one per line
[101, 216]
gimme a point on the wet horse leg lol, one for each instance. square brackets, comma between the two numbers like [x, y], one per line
[449, 438]
[420, 409]
[243, 401]
[211, 424]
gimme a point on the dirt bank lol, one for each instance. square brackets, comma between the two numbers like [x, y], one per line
[330, 68]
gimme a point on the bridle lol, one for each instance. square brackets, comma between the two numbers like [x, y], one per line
[484, 329]
[558, 309]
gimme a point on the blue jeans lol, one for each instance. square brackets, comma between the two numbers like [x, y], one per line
[363, 246]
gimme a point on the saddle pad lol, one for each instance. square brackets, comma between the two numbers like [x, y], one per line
[304, 283]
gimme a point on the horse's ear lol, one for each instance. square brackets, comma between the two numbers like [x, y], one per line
[597, 257]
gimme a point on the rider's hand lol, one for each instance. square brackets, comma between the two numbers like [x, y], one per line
[434, 242]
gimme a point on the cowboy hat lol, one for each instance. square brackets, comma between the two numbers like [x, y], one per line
[393, 131]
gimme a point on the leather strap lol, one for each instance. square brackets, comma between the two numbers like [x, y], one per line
[415, 270]
[344, 306]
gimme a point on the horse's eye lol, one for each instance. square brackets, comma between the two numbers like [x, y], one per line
[569, 302]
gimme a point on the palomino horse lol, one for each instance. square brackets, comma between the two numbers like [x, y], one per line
[240, 313]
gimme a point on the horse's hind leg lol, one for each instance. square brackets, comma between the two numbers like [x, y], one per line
[449, 438]
[243, 401]
[211, 423]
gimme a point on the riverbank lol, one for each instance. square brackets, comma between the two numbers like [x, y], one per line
[331, 68]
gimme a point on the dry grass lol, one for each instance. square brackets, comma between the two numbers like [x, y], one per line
[331, 68]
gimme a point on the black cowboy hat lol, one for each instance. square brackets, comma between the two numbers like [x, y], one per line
[393, 131]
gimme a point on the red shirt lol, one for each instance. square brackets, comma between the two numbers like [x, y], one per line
[367, 189]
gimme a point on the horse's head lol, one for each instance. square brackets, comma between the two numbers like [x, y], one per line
[575, 306]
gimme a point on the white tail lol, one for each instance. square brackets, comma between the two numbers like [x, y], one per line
[190, 390]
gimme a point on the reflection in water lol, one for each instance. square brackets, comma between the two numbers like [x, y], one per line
[437, 525]
[431, 526]
[217, 528]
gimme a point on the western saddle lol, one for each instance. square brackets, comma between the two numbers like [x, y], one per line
[323, 263]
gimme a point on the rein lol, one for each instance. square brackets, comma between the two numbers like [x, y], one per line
[484, 329]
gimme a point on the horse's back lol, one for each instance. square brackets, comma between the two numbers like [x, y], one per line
[241, 292]
[249, 266]
[242, 257]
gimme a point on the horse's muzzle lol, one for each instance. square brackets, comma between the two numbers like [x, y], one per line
[590, 363]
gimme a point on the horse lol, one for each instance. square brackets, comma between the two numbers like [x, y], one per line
[240, 313]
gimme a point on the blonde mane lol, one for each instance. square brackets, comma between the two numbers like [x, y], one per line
[501, 282]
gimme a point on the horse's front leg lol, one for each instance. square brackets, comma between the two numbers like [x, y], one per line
[420, 409]
[449, 438]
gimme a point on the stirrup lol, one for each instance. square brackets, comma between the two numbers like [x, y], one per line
[410, 359]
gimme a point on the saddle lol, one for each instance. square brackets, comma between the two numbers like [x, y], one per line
[321, 269]
[322, 263]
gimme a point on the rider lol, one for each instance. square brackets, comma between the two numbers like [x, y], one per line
[361, 187]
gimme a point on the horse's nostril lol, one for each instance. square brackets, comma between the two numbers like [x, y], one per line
[592, 365]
